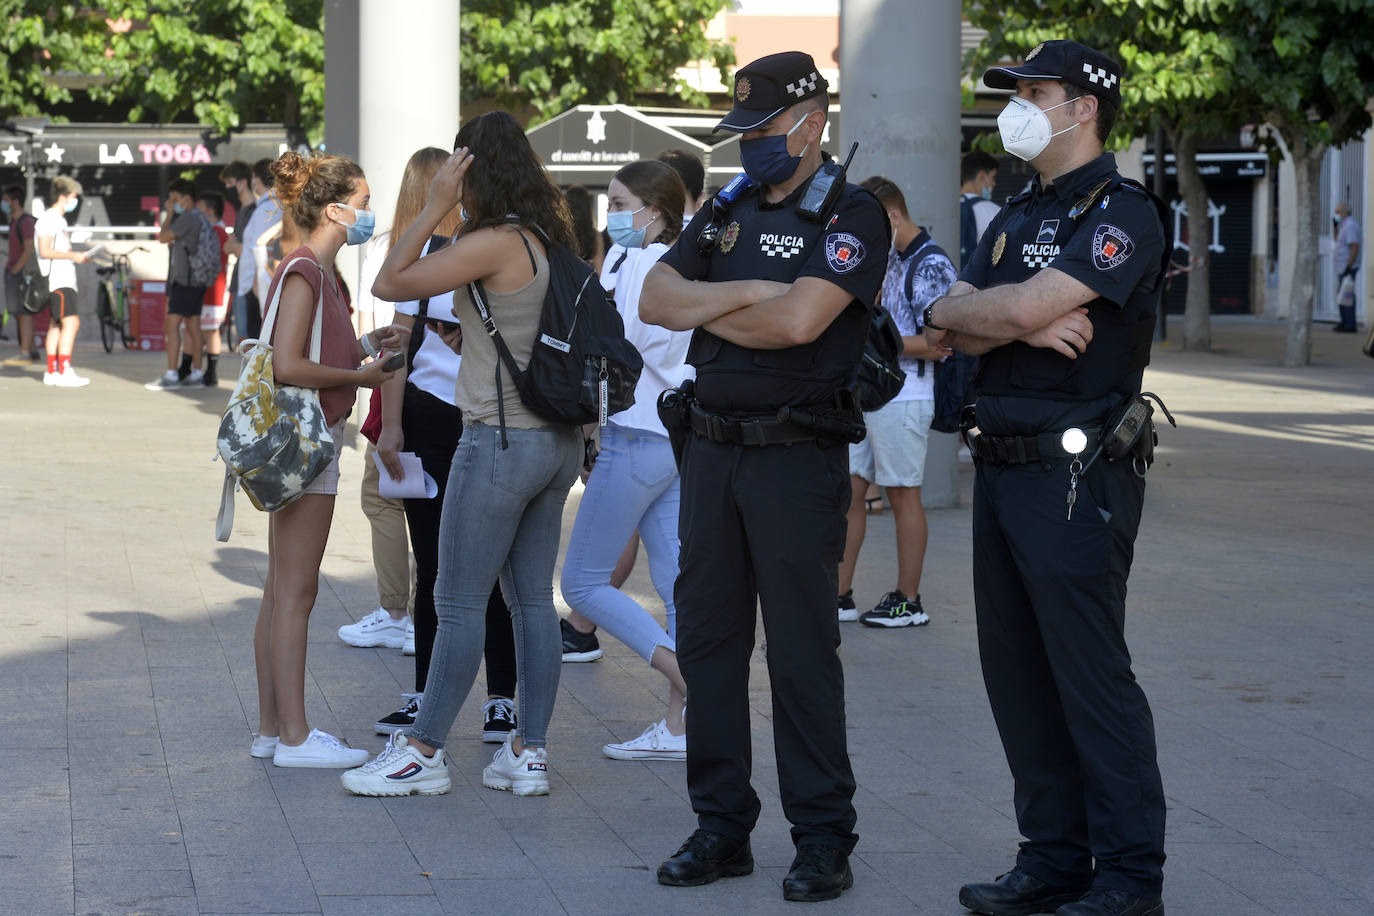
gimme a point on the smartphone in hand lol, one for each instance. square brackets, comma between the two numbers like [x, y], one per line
[395, 362]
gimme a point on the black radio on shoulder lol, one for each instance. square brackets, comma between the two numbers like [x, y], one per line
[824, 190]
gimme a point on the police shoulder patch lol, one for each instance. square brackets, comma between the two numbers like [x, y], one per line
[843, 252]
[1111, 247]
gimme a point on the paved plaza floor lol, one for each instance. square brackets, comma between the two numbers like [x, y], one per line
[127, 693]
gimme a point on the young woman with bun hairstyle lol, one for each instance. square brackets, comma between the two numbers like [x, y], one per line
[634, 482]
[328, 199]
[503, 506]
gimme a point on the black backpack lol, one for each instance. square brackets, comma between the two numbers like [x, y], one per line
[582, 369]
[881, 376]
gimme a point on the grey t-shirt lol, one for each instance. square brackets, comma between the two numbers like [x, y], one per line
[186, 228]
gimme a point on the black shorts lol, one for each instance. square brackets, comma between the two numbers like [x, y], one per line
[62, 303]
[184, 300]
[13, 298]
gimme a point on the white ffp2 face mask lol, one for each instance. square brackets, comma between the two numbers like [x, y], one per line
[1025, 128]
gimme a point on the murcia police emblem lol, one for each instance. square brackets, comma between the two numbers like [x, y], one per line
[727, 238]
[843, 252]
[1111, 247]
[742, 89]
[998, 248]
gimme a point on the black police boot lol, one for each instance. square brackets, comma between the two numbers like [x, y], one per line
[1016, 894]
[1107, 901]
[706, 857]
[818, 873]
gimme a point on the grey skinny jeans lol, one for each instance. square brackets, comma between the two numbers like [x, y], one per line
[502, 517]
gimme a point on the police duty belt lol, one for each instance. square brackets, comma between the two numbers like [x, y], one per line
[757, 430]
[1028, 449]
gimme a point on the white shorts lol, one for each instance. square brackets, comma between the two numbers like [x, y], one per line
[894, 452]
[212, 317]
[327, 484]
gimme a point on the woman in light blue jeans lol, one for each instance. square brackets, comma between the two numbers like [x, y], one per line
[503, 506]
[502, 518]
[634, 483]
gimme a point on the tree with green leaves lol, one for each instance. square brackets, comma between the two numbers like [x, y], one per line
[553, 55]
[1178, 74]
[221, 62]
[40, 40]
[1312, 65]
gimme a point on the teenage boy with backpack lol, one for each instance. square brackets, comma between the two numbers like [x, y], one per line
[193, 252]
[893, 455]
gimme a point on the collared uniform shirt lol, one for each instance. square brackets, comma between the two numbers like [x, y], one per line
[1115, 247]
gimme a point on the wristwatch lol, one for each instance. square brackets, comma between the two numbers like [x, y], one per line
[925, 316]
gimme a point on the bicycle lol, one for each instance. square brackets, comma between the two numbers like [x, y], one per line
[112, 300]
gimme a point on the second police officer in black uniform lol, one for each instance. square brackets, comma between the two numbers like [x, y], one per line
[779, 297]
[1060, 297]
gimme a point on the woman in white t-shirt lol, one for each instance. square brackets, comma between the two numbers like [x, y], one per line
[57, 263]
[634, 483]
[419, 415]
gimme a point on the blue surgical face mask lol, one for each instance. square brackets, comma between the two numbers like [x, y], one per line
[765, 159]
[5, 207]
[363, 223]
[178, 209]
[71, 205]
[620, 227]
[987, 193]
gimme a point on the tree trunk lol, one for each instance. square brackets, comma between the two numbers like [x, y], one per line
[1197, 309]
[1307, 170]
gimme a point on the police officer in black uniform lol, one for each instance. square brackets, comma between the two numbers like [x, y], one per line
[780, 306]
[1060, 297]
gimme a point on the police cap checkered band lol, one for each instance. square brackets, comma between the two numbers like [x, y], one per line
[1067, 61]
[769, 86]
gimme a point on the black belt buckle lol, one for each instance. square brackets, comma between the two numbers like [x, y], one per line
[751, 432]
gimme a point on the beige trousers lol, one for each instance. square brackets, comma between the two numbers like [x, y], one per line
[390, 545]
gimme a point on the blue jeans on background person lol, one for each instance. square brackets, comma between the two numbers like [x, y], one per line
[502, 516]
[634, 484]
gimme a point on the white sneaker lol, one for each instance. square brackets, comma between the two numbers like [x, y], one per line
[69, 379]
[167, 381]
[376, 629]
[196, 378]
[657, 743]
[400, 770]
[526, 774]
[50, 378]
[408, 646]
[263, 746]
[320, 750]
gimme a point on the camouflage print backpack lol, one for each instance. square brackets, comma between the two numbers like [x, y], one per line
[273, 438]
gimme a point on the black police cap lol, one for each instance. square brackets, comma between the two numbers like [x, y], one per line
[1067, 61]
[769, 86]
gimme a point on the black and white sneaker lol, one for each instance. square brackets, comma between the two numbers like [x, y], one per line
[498, 720]
[848, 612]
[403, 717]
[578, 647]
[896, 610]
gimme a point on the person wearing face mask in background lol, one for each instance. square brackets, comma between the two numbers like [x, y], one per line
[779, 303]
[181, 231]
[1060, 300]
[328, 199]
[977, 176]
[633, 485]
[57, 263]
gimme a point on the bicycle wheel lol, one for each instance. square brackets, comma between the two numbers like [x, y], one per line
[105, 316]
[125, 319]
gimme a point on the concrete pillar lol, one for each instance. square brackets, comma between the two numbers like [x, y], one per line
[391, 87]
[899, 80]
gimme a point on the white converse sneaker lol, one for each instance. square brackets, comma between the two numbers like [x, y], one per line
[408, 646]
[657, 743]
[263, 746]
[400, 770]
[376, 629]
[320, 750]
[526, 774]
[69, 379]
